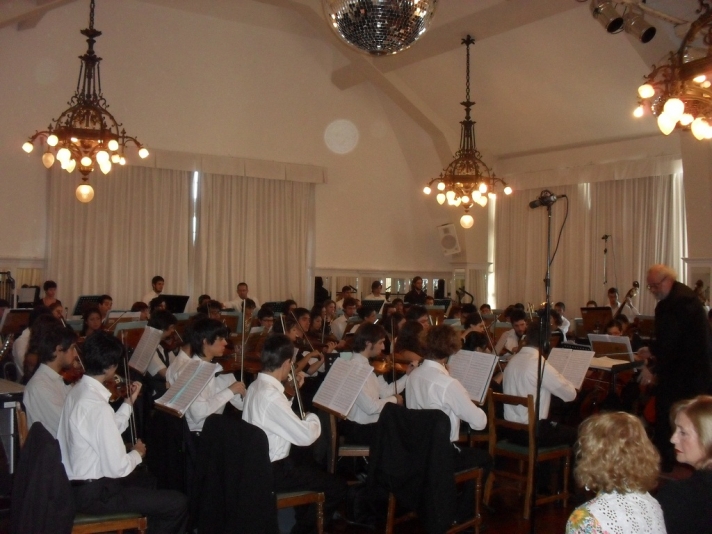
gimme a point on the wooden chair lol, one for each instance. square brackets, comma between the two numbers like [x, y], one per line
[524, 454]
[339, 450]
[460, 477]
[299, 498]
[85, 523]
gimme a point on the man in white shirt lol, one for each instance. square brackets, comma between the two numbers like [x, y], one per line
[565, 323]
[267, 407]
[376, 288]
[242, 295]
[157, 284]
[376, 392]
[520, 379]
[105, 305]
[346, 292]
[338, 325]
[430, 387]
[508, 343]
[94, 455]
[46, 391]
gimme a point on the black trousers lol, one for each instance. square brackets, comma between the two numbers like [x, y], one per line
[166, 510]
[291, 477]
[467, 458]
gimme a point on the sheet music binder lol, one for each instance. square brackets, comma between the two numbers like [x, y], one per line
[146, 348]
[341, 387]
[474, 371]
[192, 380]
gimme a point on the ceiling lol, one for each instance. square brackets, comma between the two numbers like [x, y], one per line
[545, 74]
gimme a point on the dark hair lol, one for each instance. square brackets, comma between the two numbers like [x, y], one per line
[612, 290]
[468, 308]
[37, 332]
[441, 341]
[276, 350]
[534, 334]
[288, 303]
[396, 301]
[162, 320]
[517, 315]
[288, 322]
[300, 312]
[264, 312]
[203, 298]
[188, 332]
[560, 305]
[409, 338]
[556, 316]
[368, 333]
[485, 305]
[51, 336]
[376, 284]
[346, 289]
[415, 312]
[101, 351]
[49, 284]
[249, 304]
[156, 279]
[243, 284]
[472, 319]
[139, 306]
[364, 312]
[206, 330]
[349, 301]
[592, 302]
[414, 280]
[85, 317]
[56, 304]
[327, 302]
[614, 323]
[156, 302]
[103, 298]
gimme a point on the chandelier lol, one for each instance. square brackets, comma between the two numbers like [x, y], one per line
[85, 135]
[379, 27]
[467, 180]
[679, 92]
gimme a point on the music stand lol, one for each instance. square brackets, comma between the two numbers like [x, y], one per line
[175, 303]
[375, 305]
[615, 347]
[276, 307]
[443, 302]
[28, 296]
[85, 301]
[596, 319]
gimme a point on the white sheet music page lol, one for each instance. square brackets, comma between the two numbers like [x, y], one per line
[145, 349]
[341, 386]
[572, 364]
[474, 371]
[192, 379]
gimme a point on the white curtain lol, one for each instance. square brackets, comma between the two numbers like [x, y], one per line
[257, 231]
[137, 226]
[645, 218]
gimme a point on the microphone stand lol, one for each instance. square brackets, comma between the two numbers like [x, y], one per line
[605, 257]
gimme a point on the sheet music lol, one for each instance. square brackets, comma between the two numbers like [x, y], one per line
[341, 386]
[192, 379]
[145, 349]
[474, 371]
[617, 347]
[572, 364]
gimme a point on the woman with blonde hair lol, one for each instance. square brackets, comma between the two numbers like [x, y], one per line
[615, 459]
[687, 503]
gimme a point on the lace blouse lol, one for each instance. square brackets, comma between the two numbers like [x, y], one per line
[617, 513]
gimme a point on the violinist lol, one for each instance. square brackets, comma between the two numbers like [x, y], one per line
[376, 392]
[473, 335]
[164, 321]
[399, 305]
[91, 321]
[509, 342]
[316, 323]
[265, 316]
[420, 314]
[329, 313]
[185, 351]
[409, 345]
[102, 474]
[57, 311]
[142, 308]
[45, 392]
[346, 292]
[486, 309]
[203, 300]
[158, 303]
[105, 305]
[338, 326]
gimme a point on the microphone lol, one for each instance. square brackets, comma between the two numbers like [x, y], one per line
[606, 236]
[546, 198]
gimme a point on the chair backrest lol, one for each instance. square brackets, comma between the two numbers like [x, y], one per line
[22, 429]
[498, 421]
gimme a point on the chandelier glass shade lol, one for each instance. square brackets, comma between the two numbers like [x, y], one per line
[467, 180]
[379, 27]
[679, 92]
[86, 135]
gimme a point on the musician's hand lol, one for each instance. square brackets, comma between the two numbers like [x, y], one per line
[300, 378]
[643, 354]
[399, 400]
[341, 344]
[238, 388]
[646, 377]
[135, 390]
[330, 346]
[140, 448]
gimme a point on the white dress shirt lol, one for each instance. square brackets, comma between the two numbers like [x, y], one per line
[565, 325]
[90, 434]
[19, 349]
[371, 296]
[267, 408]
[44, 398]
[236, 304]
[520, 378]
[374, 394]
[212, 400]
[156, 363]
[430, 387]
[176, 367]
[509, 340]
[148, 297]
[338, 326]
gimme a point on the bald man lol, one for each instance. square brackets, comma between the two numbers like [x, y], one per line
[679, 360]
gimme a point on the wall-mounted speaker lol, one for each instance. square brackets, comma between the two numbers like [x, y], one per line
[448, 239]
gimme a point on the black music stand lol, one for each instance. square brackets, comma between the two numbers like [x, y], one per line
[373, 305]
[442, 302]
[276, 307]
[85, 301]
[596, 319]
[28, 296]
[176, 303]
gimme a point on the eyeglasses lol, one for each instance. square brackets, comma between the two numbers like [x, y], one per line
[657, 284]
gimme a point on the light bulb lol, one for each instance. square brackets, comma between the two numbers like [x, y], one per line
[708, 131]
[47, 159]
[699, 128]
[705, 84]
[482, 188]
[64, 155]
[143, 153]
[466, 221]
[102, 156]
[699, 79]
[28, 147]
[113, 145]
[666, 123]
[105, 166]
[74, 140]
[639, 111]
[85, 193]
[450, 195]
[646, 90]
[507, 190]
[115, 158]
[457, 202]
[70, 166]
[686, 119]
[482, 201]
[52, 140]
[465, 199]
[427, 190]
[476, 195]
[85, 161]
[440, 198]
[122, 160]
[441, 186]
[492, 195]
[674, 107]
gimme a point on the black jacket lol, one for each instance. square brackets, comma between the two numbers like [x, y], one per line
[42, 499]
[412, 457]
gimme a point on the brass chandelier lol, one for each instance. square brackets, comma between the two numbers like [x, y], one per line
[467, 180]
[85, 135]
[679, 92]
